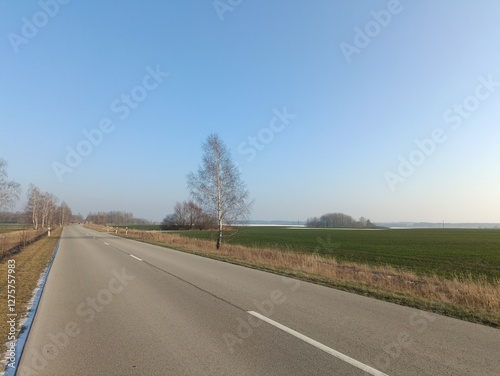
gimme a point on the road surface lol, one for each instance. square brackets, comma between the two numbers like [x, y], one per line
[113, 306]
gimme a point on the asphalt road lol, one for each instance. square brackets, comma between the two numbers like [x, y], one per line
[113, 306]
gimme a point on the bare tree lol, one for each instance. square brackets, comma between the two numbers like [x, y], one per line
[217, 186]
[9, 189]
[187, 215]
[180, 214]
[194, 214]
[34, 205]
[41, 207]
[48, 206]
[64, 214]
[206, 221]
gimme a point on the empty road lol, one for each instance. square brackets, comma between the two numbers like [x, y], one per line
[113, 306]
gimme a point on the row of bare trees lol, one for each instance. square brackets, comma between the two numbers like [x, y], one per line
[42, 209]
[188, 215]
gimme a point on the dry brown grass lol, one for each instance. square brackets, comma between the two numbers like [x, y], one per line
[473, 299]
[19, 238]
[30, 263]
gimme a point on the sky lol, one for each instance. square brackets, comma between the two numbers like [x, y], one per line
[382, 109]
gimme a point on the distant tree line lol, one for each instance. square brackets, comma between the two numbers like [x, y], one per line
[188, 215]
[115, 217]
[17, 217]
[338, 220]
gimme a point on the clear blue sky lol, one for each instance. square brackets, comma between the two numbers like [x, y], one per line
[356, 83]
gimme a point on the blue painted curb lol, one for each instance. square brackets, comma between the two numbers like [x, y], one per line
[25, 330]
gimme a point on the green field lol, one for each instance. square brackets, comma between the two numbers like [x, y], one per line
[9, 227]
[446, 252]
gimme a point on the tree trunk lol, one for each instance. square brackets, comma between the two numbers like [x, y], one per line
[219, 236]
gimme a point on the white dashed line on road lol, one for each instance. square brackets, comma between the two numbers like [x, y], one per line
[137, 258]
[339, 355]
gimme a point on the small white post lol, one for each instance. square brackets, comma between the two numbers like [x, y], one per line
[49, 232]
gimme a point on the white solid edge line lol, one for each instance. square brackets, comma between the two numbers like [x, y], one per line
[137, 258]
[345, 358]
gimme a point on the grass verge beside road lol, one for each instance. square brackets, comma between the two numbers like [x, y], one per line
[474, 298]
[15, 237]
[29, 265]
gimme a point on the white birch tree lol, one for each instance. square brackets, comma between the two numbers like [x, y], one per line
[34, 205]
[217, 186]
